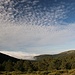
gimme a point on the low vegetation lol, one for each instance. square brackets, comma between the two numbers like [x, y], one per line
[55, 72]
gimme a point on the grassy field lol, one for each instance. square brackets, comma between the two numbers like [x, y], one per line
[56, 72]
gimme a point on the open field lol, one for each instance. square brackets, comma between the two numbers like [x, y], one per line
[57, 72]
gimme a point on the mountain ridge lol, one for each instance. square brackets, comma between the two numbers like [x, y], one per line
[59, 55]
[5, 57]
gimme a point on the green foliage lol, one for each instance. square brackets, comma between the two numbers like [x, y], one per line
[62, 61]
[18, 66]
[68, 65]
[28, 66]
[8, 66]
[42, 66]
[73, 66]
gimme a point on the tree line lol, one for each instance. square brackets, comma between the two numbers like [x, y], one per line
[45, 64]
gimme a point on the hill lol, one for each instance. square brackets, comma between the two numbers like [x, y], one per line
[4, 57]
[70, 53]
[61, 61]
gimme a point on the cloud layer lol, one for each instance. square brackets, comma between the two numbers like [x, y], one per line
[20, 55]
[24, 26]
[15, 36]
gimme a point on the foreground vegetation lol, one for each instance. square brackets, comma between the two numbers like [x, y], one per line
[55, 72]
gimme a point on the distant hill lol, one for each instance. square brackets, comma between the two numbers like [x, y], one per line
[70, 53]
[67, 54]
[4, 57]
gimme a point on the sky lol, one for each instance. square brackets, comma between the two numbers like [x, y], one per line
[33, 27]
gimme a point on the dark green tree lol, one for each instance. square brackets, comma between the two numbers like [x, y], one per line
[68, 65]
[42, 65]
[19, 66]
[1, 68]
[8, 66]
[28, 67]
[73, 66]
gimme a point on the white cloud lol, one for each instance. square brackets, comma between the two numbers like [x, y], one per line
[13, 36]
[20, 55]
[37, 28]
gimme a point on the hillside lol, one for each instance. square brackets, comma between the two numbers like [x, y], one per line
[4, 57]
[70, 53]
[61, 61]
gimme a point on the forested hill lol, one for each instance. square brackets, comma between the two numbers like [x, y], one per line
[64, 60]
[70, 53]
[4, 57]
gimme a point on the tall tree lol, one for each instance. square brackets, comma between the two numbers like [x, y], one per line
[8, 66]
[19, 66]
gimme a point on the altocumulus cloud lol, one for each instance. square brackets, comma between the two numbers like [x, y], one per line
[34, 30]
[14, 36]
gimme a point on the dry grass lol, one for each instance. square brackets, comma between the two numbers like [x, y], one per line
[57, 72]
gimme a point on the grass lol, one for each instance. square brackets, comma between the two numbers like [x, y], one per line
[56, 72]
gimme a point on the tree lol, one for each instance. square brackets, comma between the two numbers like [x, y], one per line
[1, 68]
[73, 66]
[19, 66]
[42, 65]
[28, 67]
[55, 64]
[68, 65]
[51, 66]
[8, 66]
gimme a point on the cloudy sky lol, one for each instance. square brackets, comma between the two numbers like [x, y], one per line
[33, 27]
